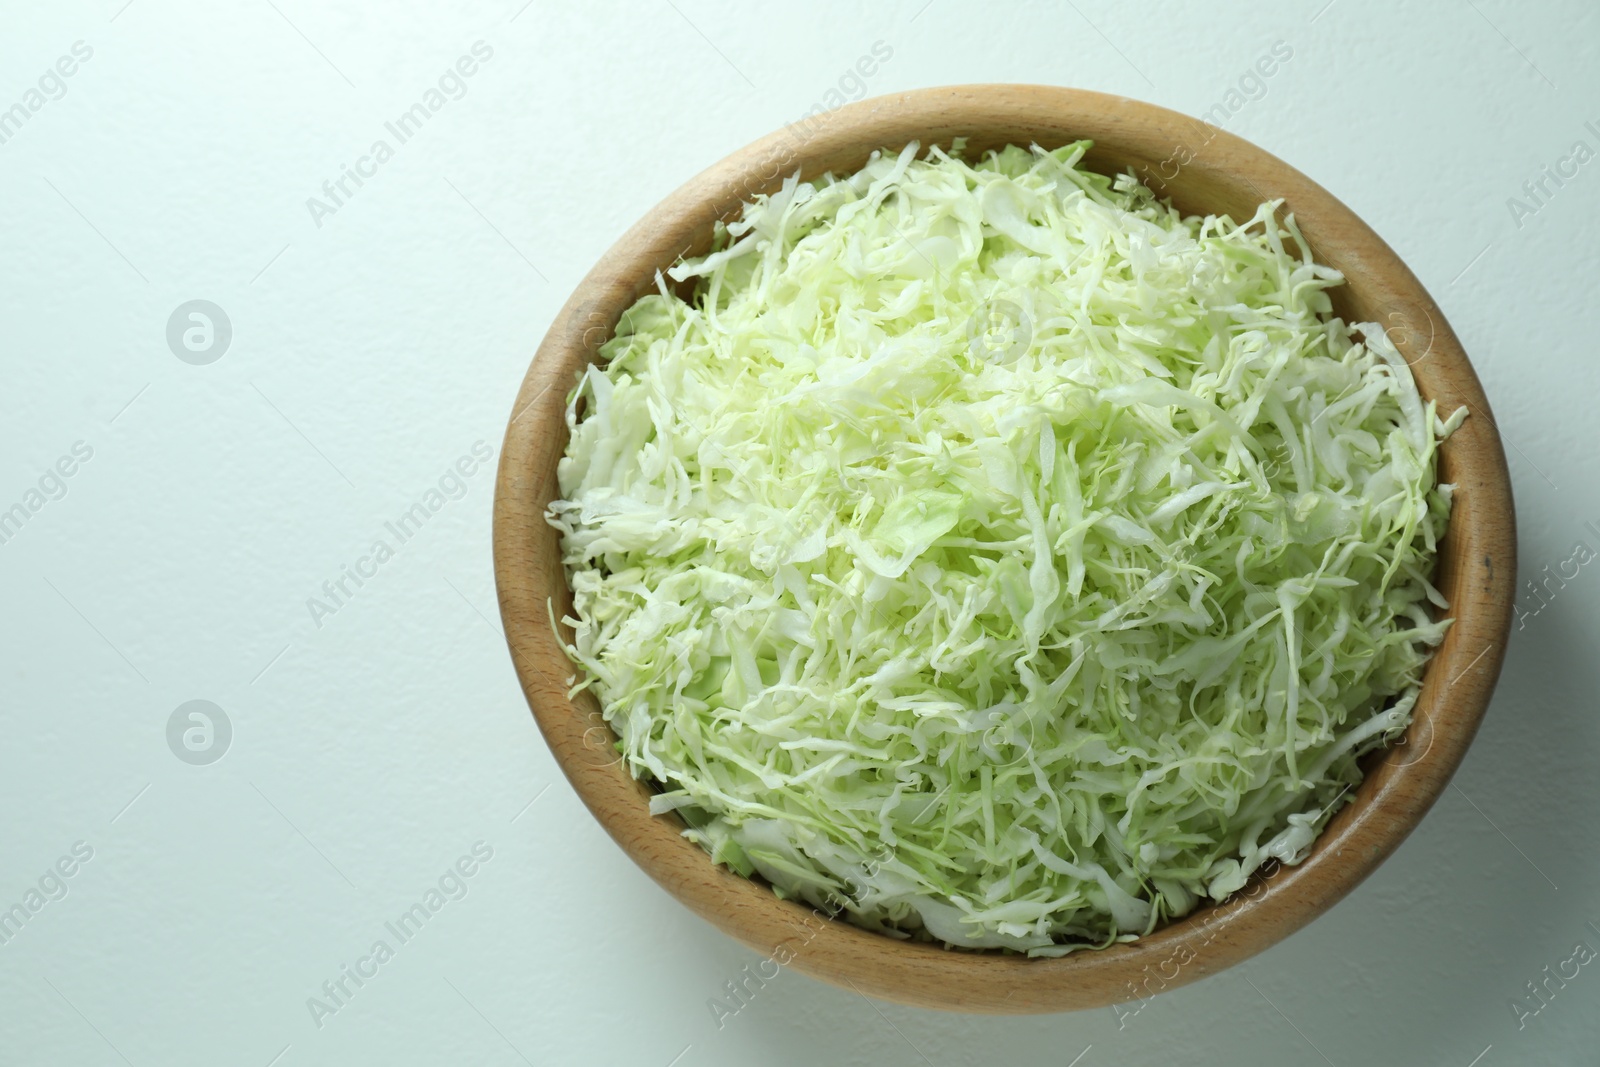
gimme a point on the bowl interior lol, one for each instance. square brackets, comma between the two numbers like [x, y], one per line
[1204, 171]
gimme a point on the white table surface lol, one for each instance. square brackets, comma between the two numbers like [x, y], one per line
[375, 744]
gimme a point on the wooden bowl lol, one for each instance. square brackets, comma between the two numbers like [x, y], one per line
[1203, 170]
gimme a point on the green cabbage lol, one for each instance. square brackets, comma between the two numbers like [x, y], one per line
[994, 554]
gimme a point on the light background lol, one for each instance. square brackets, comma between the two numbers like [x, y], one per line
[371, 751]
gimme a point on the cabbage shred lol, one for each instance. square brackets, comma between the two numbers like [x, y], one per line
[994, 554]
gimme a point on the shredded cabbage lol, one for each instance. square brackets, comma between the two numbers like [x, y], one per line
[994, 554]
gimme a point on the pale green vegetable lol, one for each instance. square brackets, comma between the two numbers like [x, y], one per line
[995, 554]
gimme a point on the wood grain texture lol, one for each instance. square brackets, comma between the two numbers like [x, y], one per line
[1203, 169]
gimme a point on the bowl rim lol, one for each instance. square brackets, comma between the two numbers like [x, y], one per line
[1477, 556]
